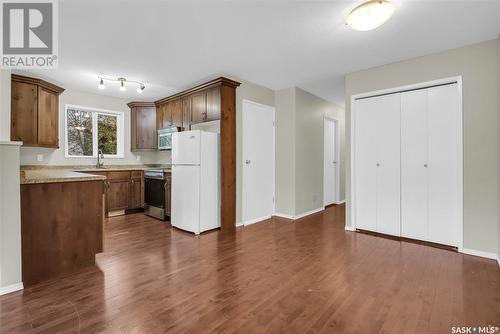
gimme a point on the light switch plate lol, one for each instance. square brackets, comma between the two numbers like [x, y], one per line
[138, 157]
[39, 157]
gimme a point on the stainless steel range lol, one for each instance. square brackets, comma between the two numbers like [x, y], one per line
[155, 193]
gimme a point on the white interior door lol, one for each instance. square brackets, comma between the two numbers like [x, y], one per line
[388, 111]
[444, 164]
[330, 161]
[366, 165]
[258, 162]
[414, 162]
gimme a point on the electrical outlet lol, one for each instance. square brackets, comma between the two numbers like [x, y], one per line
[39, 157]
[138, 157]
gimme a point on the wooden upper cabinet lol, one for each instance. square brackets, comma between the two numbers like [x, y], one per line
[199, 107]
[164, 115]
[34, 111]
[186, 113]
[213, 104]
[176, 111]
[24, 114]
[143, 126]
[48, 118]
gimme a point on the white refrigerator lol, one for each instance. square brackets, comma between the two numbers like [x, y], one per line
[195, 181]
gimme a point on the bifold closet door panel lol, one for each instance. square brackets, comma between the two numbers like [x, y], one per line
[414, 180]
[365, 167]
[444, 137]
[388, 111]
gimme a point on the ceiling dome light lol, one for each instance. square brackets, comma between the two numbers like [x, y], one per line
[101, 84]
[370, 15]
[140, 88]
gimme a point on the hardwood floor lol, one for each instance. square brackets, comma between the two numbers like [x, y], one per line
[308, 276]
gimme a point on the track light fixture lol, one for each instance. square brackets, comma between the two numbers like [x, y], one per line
[122, 82]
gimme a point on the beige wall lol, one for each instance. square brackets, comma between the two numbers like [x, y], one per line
[10, 218]
[285, 152]
[478, 65]
[56, 157]
[309, 143]
[255, 93]
[299, 150]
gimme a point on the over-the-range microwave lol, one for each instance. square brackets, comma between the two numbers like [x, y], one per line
[165, 137]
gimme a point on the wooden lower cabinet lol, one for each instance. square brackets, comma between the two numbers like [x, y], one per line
[118, 194]
[61, 228]
[136, 193]
[124, 189]
[168, 194]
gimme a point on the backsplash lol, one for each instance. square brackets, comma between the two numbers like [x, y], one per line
[33, 155]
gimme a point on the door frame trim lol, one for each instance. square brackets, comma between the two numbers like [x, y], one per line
[273, 109]
[337, 157]
[352, 146]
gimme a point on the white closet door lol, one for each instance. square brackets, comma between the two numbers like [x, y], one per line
[388, 113]
[444, 161]
[414, 179]
[365, 169]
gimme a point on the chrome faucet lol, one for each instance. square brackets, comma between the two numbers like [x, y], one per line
[100, 156]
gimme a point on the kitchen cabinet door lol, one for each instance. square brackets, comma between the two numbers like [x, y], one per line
[213, 104]
[167, 115]
[176, 111]
[168, 194]
[186, 113]
[118, 194]
[144, 129]
[198, 107]
[48, 118]
[24, 126]
[159, 117]
[136, 190]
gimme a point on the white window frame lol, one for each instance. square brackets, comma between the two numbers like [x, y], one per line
[120, 128]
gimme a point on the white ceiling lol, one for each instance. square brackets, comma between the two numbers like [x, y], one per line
[173, 45]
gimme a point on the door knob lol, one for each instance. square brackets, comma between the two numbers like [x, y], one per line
[425, 165]
[378, 165]
[247, 162]
[334, 162]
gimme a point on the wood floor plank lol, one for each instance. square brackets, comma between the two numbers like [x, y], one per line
[277, 276]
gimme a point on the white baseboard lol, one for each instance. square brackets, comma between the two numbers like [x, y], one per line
[238, 224]
[474, 252]
[498, 261]
[11, 288]
[257, 220]
[283, 215]
[350, 228]
[340, 202]
[302, 215]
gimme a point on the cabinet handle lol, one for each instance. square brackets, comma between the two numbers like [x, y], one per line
[204, 115]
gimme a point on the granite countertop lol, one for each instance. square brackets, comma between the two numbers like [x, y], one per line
[55, 174]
